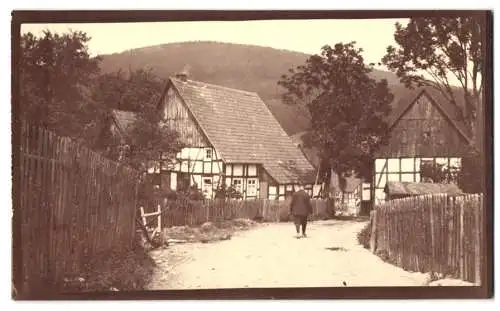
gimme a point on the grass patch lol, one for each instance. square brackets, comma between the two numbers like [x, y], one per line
[208, 231]
[117, 270]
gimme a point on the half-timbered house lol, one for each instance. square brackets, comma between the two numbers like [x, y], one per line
[427, 134]
[231, 139]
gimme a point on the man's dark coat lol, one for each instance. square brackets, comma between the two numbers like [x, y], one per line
[301, 204]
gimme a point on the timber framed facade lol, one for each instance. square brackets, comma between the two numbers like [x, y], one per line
[426, 136]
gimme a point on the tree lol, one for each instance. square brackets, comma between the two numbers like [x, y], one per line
[130, 91]
[151, 141]
[348, 109]
[433, 172]
[444, 49]
[56, 75]
[148, 140]
[470, 179]
[342, 186]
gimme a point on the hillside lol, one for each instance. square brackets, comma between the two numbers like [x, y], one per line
[246, 67]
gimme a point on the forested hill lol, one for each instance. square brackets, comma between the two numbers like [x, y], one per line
[246, 67]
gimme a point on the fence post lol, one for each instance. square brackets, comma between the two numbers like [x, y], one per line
[373, 235]
[449, 213]
[143, 217]
[159, 218]
[477, 242]
[461, 240]
[433, 236]
[264, 210]
[278, 211]
[223, 210]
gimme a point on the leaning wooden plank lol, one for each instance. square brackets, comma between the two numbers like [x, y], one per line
[151, 214]
[144, 231]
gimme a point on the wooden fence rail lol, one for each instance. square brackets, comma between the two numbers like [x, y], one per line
[181, 212]
[432, 233]
[74, 204]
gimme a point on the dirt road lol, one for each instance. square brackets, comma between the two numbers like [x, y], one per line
[270, 256]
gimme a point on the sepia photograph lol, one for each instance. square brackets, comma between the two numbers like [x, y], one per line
[252, 154]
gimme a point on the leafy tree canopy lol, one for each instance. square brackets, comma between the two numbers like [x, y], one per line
[132, 90]
[62, 89]
[348, 109]
[56, 74]
[445, 49]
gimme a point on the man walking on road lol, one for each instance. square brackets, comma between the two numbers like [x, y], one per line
[300, 208]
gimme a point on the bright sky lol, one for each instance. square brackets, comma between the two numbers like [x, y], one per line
[308, 36]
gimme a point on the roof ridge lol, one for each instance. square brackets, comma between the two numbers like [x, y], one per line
[218, 86]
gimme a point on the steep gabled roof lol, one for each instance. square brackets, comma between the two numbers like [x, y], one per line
[243, 130]
[406, 99]
[123, 119]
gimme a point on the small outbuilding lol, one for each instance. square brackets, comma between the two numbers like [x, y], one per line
[400, 189]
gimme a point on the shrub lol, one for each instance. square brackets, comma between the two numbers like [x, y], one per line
[471, 176]
[364, 236]
[227, 193]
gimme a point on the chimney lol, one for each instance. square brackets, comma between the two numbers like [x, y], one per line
[184, 74]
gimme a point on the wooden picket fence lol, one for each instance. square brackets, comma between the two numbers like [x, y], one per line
[74, 204]
[432, 233]
[184, 212]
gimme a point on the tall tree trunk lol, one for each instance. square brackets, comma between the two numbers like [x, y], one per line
[342, 186]
[478, 124]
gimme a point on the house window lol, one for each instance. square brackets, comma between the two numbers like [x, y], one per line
[252, 187]
[429, 171]
[237, 184]
[208, 154]
[440, 170]
[453, 168]
[272, 193]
